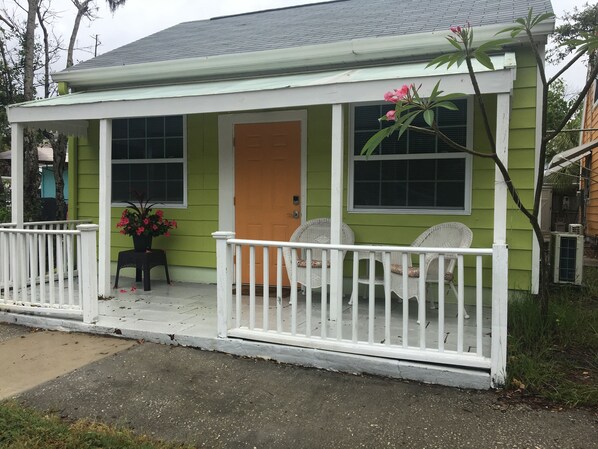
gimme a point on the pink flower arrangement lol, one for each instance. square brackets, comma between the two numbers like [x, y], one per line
[139, 220]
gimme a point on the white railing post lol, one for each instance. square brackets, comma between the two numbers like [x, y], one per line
[16, 173]
[500, 296]
[224, 276]
[88, 273]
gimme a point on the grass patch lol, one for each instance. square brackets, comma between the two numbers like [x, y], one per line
[556, 359]
[25, 428]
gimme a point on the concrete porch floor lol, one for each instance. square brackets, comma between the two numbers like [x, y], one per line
[189, 310]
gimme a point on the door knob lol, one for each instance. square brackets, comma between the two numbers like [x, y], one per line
[295, 214]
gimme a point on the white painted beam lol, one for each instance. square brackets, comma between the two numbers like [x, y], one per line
[336, 209]
[16, 174]
[155, 103]
[503, 104]
[105, 204]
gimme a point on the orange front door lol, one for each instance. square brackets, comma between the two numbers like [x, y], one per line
[267, 187]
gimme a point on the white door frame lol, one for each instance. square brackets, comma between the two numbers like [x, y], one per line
[226, 159]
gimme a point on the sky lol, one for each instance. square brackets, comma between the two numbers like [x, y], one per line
[139, 18]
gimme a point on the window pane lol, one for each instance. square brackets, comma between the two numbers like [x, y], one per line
[451, 194]
[155, 127]
[451, 169]
[394, 170]
[420, 194]
[366, 118]
[120, 191]
[158, 191]
[422, 170]
[394, 146]
[174, 147]
[157, 172]
[120, 149]
[136, 128]
[174, 171]
[139, 172]
[119, 129]
[120, 172]
[366, 194]
[367, 171]
[394, 194]
[175, 192]
[421, 143]
[173, 126]
[457, 134]
[155, 148]
[137, 149]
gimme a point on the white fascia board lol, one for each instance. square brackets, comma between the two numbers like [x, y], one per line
[354, 92]
[357, 51]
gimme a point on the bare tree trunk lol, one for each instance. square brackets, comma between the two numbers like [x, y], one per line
[31, 178]
[82, 10]
[42, 25]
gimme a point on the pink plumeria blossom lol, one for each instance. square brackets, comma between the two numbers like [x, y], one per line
[456, 29]
[391, 115]
[394, 96]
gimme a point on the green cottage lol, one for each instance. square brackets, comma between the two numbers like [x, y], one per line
[244, 128]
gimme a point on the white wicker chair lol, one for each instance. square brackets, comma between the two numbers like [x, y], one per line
[444, 235]
[314, 231]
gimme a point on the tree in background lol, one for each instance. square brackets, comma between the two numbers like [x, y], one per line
[26, 59]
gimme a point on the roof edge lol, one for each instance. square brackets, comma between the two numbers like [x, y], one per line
[346, 52]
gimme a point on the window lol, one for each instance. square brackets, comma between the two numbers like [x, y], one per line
[148, 157]
[418, 173]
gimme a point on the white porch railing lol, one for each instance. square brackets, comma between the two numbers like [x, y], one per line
[382, 327]
[49, 268]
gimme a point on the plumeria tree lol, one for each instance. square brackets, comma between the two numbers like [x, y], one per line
[409, 104]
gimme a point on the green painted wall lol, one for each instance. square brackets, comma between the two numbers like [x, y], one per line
[192, 245]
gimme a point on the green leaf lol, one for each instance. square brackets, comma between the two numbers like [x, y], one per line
[429, 116]
[376, 140]
[452, 96]
[447, 105]
[454, 43]
[494, 45]
[483, 59]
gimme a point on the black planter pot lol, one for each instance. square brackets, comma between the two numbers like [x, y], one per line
[142, 243]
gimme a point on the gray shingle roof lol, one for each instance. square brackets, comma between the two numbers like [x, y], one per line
[314, 24]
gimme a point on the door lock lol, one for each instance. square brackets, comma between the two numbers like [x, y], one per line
[295, 199]
[296, 214]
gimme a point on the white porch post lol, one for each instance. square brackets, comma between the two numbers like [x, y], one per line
[224, 283]
[16, 174]
[336, 210]
[105, 205]
[500, 259]
[89, 273]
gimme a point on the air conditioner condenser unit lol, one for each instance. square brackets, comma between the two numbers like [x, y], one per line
[567, 260]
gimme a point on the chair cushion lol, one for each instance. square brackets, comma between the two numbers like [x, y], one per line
[302, 263]
[413, 272]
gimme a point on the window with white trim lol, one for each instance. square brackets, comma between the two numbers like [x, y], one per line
[417, 173]
[148, 158]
